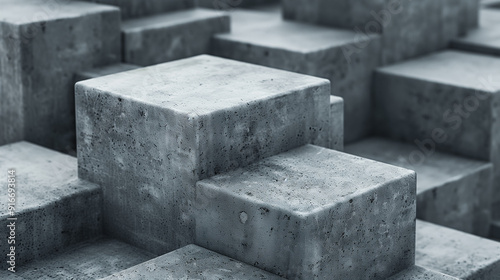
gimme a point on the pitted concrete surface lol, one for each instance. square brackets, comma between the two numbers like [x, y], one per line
[311, 213]
[193, 262]
[104, 71]
[451, 191]
[420, 273]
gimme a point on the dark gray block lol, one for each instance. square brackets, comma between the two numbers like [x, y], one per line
[311, 213]
[140, 8]
[420, 273]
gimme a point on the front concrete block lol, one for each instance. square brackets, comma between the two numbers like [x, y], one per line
[456, 253]
[341, 56]
[166, 37]
[193, 262]
[451, 191]
[52, 207]
[337, 123]
[140, 8]
[420, 273]
[148, 135]
[43, 45]
[311, 213]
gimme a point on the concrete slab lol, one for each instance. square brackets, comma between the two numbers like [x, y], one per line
[52, 207]
[451, 191]
[311, 213]
[267, 40]
[420, 273]
[456, 253]
[103, 71]
[193, 262]
[43, 44]
[140, 8]
[171, 36]
[148, 135]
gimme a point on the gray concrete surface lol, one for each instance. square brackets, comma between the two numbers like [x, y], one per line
[420, 273]
[193, 262]
[336, 123]
[311, 213]
[103, 71]
[171, 36]
[140, 8]
[148, 135]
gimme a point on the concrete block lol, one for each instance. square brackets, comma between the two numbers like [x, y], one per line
[89, 260]
[193, 262]
[103, 71]
[495, 230]
[337, 123]
[52, 207]
[324, 52]
[456, 253]
[451, 191]
[150, 134]
[43, 44]
[140, 8]
[231, 4]
[311, 213]
[166, 37]
[420, 273]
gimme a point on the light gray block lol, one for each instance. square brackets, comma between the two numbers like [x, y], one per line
[456, 253]
[43, 44]
[451, 191]
[335, 54]
[53, 207]
[337, 123]
[103, 71]
[148, 135]
[140, 8]
[420, 273]
[311, 213]
[193, 262]
[166, 37]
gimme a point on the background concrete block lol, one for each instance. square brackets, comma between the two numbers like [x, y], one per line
[231, 4]
[44, 45]
[149, 134]
[311, 213]
[103, 71]
[140, 8]
[337, 123]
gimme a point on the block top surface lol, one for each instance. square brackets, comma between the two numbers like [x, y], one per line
[42, 175]
[306, 179]
[193, 262]
[456, 68]
[433, 171]
[33, 11]
[200, 85]
[420, 273]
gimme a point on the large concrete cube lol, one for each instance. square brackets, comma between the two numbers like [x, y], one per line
[43, 44]
[141, 8]
[311, 213]
[148, 135]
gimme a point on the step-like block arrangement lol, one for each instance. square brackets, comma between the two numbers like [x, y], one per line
[43, 45]
[148, 135]
[311, 213]
[103, 71]
[420, 273]
[409, 28]
[193, 262]
[456, 253]
[451, 191]
[336, 123]
[171, 36]
[140, 8]
[312, 50]
[50, 207]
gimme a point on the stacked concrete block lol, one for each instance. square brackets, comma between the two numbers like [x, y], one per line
[148, 135]
[311, 213]
[231, 4]
[312, 50]
[43, 44]
[46, 206]
[103, 71]
[451, 191]
[140, 8]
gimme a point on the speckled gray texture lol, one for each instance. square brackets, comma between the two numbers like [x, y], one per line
[161, 38]
[264, 39]
[141, 8]
[43, 44]
[420, 273]
[103, 71]
[89, 260]
[456, 253]
[337, 123]
[193, 262]
[149, 134]
[451, 191]
[410, 28]
[53, 207]
[311, 213]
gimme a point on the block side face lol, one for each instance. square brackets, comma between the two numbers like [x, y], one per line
[495, 156]
[336, 123]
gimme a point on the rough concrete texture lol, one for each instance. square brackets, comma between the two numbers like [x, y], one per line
[89, 260]
[409, 28]
[43, 44]
[104, 71]
[311, 213]
[193, 262]
[420, 273]
[161, 38]
[337, 123]
[140, 8]
[423, 100]
[451, 191]
[53, 207]
[456, 253]
[312, 50]
[148, 135]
